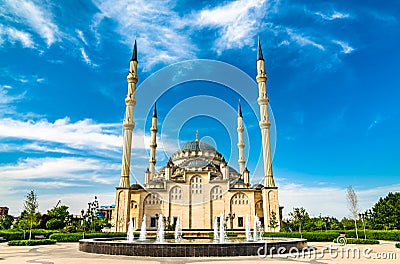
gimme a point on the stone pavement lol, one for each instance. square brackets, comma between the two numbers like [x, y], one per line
[62, 253]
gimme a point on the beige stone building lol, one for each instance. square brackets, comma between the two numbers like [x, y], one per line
[196, 184]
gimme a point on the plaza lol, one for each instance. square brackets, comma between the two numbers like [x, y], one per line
[62, 253]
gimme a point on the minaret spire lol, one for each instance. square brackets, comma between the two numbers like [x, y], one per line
[153, 143]
[129, 124]
[240, 144]
[264, 119]
[155, 110]
[134, 52]
[259, 54]
[239, 109]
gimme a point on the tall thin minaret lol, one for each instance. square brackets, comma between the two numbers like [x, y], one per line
[240, 144]
[264, 118]
[128, 123]
[153, 143]
[269, 191]
[123, 192]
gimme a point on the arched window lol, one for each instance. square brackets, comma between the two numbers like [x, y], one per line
[196, 185]
[176, 193]
[240, 199]
[259, 204]
[134, 204]
[152, 198]
[216, 193]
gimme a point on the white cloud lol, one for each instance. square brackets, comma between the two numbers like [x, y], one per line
[86, 58]
[65, 178]
[334, 15]
[37, 17]
[81, 134]
[13, 35]
[346, 48]
[6, 98]
[157, 26]
[66, 168]
[237, 21]
[302, 40]
[81, 36]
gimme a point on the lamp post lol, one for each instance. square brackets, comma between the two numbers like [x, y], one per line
[362, 217]
[84, 216]
[230, 217]
[327, 220]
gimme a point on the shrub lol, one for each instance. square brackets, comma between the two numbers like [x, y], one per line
[330, 235]
[75, 237]
[398, 245]
[310, 236]
[360, 241]
[169, 235]
[12, 234]
[16, 234]
[32, 242]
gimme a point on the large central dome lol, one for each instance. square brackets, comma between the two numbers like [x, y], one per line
[197, 145]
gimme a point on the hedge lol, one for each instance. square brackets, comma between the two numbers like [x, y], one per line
[16, 234]
[398, 245]
[330, 235]
[75, 237]
[32, 242]
[310, 236]
[360, 241]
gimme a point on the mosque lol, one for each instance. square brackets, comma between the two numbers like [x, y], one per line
[196, 184]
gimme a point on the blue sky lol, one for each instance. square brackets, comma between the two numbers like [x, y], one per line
[333, 84]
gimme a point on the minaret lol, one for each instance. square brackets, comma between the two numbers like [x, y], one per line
[240, 144]
[153, 143]
[128, 123]
[269, 191]
[264, 118]
[123, 194]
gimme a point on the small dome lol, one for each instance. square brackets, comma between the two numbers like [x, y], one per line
[136, 186]
[197, 145]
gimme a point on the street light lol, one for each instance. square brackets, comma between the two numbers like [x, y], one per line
[84, 216]
[363, 217]
[230, 217]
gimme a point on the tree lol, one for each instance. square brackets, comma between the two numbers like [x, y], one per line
[93, 217]
[352, 204]
[30, 213]
[298, 216]
[6, 221]
[273, 221]
[385, 213]
[58, 217]
[320, 223]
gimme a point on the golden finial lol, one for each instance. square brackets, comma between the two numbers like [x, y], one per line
[197, 135]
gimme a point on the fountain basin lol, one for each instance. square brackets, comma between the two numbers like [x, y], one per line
[184, 248]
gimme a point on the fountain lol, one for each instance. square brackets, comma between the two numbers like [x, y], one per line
[248, 233]
[178, 230]
[191, 247]
[216, 237]
[255, 236]
[160, 230]
[260, 233]
[222, 238]
[129, 236]
[142, 236]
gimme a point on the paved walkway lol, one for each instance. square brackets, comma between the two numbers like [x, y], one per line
[62, 253]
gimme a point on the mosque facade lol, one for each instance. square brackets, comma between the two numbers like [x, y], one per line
[197, 184]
